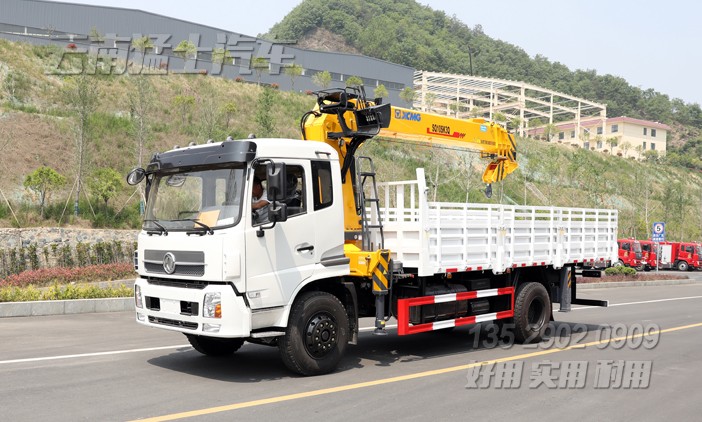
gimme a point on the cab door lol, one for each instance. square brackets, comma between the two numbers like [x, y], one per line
[284, 255]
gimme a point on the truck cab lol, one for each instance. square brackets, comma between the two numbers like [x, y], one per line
[630, 253]
[649, 253]
[202, 246]
[686, 255]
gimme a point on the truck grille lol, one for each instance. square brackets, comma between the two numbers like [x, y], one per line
[187, 263]
[173, 323]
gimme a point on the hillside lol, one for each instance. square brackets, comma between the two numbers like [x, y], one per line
[40, 130]
[38, 122]
[406, 32]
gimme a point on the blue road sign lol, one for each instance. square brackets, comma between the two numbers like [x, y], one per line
[658, 232]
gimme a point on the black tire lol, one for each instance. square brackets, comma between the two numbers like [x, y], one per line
[682, 266]
[317, 334]
[213, 346]
[618, 264]
[532, 311]
[641, 267]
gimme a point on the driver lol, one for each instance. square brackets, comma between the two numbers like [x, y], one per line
[259, 201]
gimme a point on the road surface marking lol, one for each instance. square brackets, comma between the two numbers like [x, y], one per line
[640, 303]
[424, 374]
[85, 355]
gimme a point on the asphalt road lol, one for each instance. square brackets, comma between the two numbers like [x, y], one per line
[104, 367]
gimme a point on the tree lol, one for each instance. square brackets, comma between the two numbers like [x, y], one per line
[228, 109]
[105, 183]
[515, 123]
[408, 95]
[185, 104]
[264, 117]
[42, 181]
[322, 79]
[499, 117]
[651, 155]
[141, 102]
[259, 65]
[625, 147]
[354, 81]
[143, 44]
[456, 107]
[186, 49]
[612, 142]
[293, 71]
[550, 131]
[639, 151]
[220, 55]
[81, 94]
[209, 112]
[429, 99]
[380, 91]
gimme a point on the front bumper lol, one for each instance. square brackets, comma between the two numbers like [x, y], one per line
[181, 309]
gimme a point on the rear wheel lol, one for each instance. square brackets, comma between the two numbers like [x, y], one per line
[214, 346]
[682, 266]
[316, 337]
[532, 310]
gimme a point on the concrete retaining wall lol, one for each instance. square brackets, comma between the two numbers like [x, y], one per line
[45, 236]
[54, 243]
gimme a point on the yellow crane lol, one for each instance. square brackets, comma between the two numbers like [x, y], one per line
[344, 119]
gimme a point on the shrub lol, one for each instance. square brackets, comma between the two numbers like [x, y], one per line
[63, 275]
[57, 292]
[621, 270]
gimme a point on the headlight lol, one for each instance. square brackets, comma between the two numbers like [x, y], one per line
[212, 305]
[137, 297]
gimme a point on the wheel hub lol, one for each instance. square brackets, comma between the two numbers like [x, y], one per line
[320, 337]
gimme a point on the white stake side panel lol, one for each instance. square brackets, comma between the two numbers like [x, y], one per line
[439, 237]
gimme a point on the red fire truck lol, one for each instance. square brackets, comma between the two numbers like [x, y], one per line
[680, 255]
[630, 253]
[649, 254]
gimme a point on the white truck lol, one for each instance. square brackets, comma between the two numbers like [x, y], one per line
[332, 249]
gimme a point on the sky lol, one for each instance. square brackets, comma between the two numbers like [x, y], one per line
[651, 44]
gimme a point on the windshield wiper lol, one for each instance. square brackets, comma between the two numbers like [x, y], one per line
[207, 228]
[162, 231]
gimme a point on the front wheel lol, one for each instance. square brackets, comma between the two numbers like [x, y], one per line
[316, 337]
[682, 266]
[532, 310]
[214, 346]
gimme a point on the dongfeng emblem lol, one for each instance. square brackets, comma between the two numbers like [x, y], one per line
[169, 263]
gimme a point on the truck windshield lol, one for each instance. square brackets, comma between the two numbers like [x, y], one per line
[196, 199]
[637, 247]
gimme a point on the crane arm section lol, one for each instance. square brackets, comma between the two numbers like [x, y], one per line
[490, 139]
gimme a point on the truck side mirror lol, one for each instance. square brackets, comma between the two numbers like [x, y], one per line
[135, 176]
[278, 212]
[276, 176]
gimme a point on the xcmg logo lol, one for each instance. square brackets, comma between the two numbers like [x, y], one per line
[408, 115]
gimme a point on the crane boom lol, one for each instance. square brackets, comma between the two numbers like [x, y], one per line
[490, 139]
[344, 120]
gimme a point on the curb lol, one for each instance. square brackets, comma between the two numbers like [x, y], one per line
[65, 307]
[611, 284]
